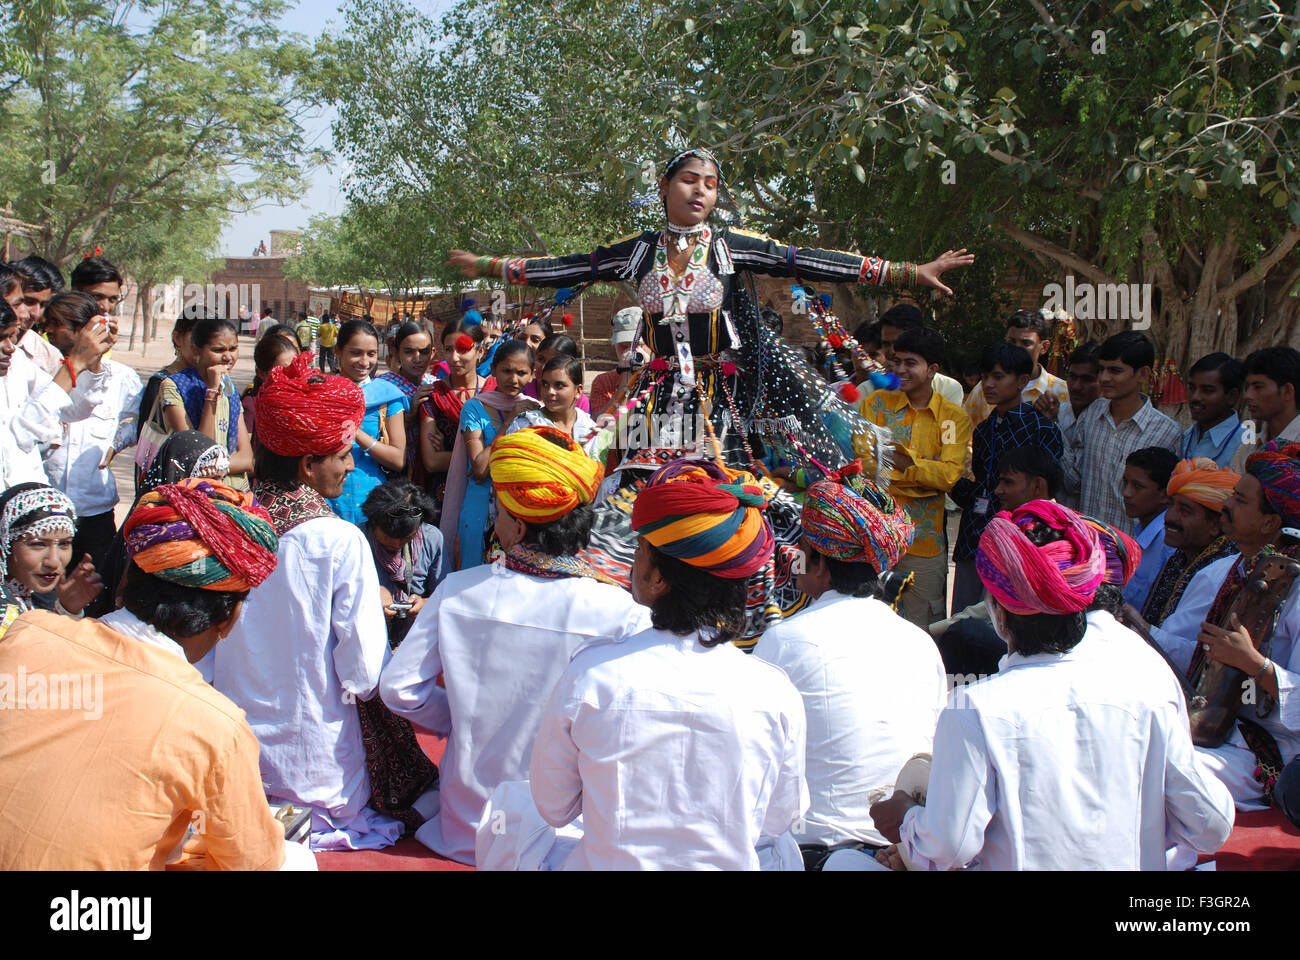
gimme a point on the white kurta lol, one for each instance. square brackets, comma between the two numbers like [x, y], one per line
[310, 642]
[33, 409]
[677, 756]
[873, 686]
[1233, 762]
[500, 639]
[1063, 762]
[1177, 635]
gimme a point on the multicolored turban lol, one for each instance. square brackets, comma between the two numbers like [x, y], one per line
[711, 518]
[1278, 471]
[303, 413]
[32, 509]
[201, 533]
[1058, 578]
[1122, 552]
[849, 518]
[1202, 482]
[540, 474]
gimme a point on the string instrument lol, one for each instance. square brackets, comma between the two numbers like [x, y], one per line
[1218, 688]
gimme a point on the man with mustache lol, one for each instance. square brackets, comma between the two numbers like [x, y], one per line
[1193, 528]
[1262, 515]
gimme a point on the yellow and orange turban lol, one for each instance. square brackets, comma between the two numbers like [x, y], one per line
[1202, 482]
[700, 514]
[200, 533]
[540, 474]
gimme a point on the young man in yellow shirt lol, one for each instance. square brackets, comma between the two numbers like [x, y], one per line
[328, 333]
[928, 455]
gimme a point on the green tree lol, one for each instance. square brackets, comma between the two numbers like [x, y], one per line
[134, 115]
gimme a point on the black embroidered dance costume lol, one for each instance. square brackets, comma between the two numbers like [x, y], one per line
[710, 345]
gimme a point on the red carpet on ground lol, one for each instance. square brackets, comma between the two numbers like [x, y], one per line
[1264, 840]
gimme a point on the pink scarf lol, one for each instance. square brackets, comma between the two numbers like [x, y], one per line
[458, 472]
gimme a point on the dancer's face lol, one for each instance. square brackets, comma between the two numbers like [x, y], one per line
[691, 193]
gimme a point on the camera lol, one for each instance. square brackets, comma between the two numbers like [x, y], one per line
[401, 609]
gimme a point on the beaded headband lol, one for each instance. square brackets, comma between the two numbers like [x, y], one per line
[55, 510]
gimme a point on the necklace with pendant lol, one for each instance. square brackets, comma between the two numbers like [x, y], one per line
[684, 234]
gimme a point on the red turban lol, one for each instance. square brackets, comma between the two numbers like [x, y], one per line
[1059, 577]
[302, 413]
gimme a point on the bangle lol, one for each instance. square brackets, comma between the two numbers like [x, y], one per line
[371, 447]
[482, 266]
[1262, 670]
[71, 373]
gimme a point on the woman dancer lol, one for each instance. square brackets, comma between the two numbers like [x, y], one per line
[37, 524]
[716, 363]
[379, 446]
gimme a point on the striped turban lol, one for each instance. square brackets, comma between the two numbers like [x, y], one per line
[539, 474]
[711, 518]
[1122, 552]
[1057, 578]
[1202, 482]
[302, 413]
[201, 533]
[1278, 471]
[849, 518]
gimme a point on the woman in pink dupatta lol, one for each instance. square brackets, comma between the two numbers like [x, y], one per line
[466, 506]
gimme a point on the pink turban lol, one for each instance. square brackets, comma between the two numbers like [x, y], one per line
[1059, 577]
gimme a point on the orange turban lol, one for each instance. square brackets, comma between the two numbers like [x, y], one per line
[1202, 482]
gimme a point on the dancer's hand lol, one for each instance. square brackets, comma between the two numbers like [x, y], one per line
[466, 261]
[80, 587]
[928, 274]
[890, 857]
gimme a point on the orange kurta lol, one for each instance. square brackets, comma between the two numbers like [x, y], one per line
[111, 747]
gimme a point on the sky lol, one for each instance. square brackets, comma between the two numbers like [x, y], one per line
[325, 195]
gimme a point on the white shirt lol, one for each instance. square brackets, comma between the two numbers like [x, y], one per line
[125, 622]
[74, 465]
[33, 409]
[40, 351]
[678, 756]
[310, 642]
[873, 686]
[1063, 762]
[500, 639]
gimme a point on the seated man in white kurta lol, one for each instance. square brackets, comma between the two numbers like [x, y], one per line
[485, 652]
[1263, 513]
[1058, 761]
[873, 684]
[312, 639]
[678, 750]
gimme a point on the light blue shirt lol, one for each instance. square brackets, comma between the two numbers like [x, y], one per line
[1218, 443]
[1155, 552]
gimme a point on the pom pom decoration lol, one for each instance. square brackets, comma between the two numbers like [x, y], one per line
[835, 341]
[825, 299]
[883, 380]
[659, 364]
[464, 343]
[567, 320]
[848, 393]
[466, 304]
[563, 295]
[728, 368]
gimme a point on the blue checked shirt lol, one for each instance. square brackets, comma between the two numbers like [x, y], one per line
[1021, 426]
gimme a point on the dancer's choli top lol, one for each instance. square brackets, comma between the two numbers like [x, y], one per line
[703, 327]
